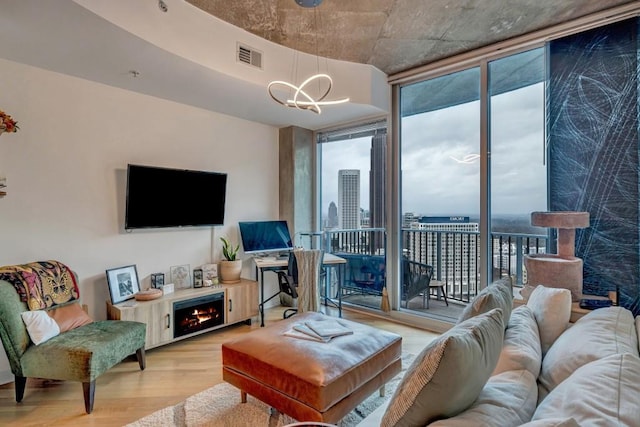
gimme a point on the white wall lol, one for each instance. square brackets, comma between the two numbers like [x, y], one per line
[66, 175]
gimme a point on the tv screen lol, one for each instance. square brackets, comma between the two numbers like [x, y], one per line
[265, 236]
[162, 197]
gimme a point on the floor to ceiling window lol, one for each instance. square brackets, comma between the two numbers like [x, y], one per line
[440, 187]
[443, 203]
[518, 184]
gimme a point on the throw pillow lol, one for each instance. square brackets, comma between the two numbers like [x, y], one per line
[40, 326]
[552, 309]
[598, 334]
[507, 400]
[497, 295]
[521, 348]
[604, 392]
[448, 375]
[69, 316]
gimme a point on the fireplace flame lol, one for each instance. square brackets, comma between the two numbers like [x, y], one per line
[201, 316]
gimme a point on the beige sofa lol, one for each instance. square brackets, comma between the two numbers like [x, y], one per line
[544, 371]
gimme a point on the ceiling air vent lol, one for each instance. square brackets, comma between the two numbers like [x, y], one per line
[249, 56]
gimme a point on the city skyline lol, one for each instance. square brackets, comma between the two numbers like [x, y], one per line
[435, 182]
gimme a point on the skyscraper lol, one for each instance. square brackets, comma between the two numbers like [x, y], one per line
[332, 221]
[376, 189]
[349, 198]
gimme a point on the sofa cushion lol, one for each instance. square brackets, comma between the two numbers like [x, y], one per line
[552, 309]
[508, 399]
[497, 295]
[638, 331]
[598, 334]
[553, 422]
[448, 375]
[83, 354]
[521, 348]
[40, 326]
[601, 393]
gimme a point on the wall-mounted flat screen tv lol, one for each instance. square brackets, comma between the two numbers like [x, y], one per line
[163, 197]
[265, 236]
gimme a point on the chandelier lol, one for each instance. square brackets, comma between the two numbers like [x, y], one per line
[302, 98]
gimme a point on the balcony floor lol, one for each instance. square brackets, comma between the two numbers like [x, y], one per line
[437, 308]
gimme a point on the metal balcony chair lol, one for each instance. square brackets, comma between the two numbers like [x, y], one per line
[418, 280]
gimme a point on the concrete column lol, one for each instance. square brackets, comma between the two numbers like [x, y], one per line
[297, 179]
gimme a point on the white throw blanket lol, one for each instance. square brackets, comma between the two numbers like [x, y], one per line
[309, 263]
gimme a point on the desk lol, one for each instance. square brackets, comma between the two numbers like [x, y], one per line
[280, 264]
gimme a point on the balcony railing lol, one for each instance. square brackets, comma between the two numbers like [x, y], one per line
[454, 255]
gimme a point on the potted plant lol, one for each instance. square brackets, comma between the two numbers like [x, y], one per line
[230, 267]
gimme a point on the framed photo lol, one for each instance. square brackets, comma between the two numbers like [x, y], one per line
[123, 283]
[209, 271]
[197, 278]
[157, 280]
[180, 276]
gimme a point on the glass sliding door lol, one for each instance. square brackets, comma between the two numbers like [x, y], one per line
[444, 193]
[440, 191]
[518, 184]
[352, 204]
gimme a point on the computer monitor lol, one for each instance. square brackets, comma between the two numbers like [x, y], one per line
[265, 236]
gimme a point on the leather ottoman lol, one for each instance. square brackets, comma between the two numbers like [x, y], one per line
[309, 380]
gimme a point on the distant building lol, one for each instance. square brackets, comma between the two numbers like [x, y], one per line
[409, 218]
[349, 199]
[376, 188]
[332, 221]
[449, 244]
[365, 219]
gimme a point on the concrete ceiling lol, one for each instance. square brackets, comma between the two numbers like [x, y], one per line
[397, 35]
[188, 55]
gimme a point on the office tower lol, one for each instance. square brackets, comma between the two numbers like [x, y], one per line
[349, 198]
[450, 245]
[376, 189]
[332, 221]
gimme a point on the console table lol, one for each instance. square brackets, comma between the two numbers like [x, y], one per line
[280, 264]
[239, 306]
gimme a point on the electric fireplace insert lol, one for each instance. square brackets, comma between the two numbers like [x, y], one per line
[198, 314]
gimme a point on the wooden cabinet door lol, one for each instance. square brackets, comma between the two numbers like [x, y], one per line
[241, 302]
[157, 315]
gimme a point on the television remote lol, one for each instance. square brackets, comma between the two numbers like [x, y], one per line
[592, 304]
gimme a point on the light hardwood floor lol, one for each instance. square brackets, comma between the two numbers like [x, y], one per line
[174, 372]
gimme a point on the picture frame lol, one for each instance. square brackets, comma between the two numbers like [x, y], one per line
[181, 276]
[197, 278]
[210, 271]
[157, 280]
[123, 283]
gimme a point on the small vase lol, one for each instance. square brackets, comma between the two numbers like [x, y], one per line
[230, 271]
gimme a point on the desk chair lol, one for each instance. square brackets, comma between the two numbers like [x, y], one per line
[302, 279]
[288, 283]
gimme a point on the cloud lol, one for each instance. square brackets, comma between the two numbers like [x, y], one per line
[433, 183]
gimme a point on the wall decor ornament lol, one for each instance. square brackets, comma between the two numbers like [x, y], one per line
[7, 124]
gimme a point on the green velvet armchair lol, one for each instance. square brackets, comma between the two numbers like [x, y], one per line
[80, 354]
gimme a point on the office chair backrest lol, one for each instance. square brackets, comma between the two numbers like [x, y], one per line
[292, 268]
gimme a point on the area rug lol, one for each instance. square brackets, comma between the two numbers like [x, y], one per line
[219, 406]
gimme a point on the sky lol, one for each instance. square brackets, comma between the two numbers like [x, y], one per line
[434, 183]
